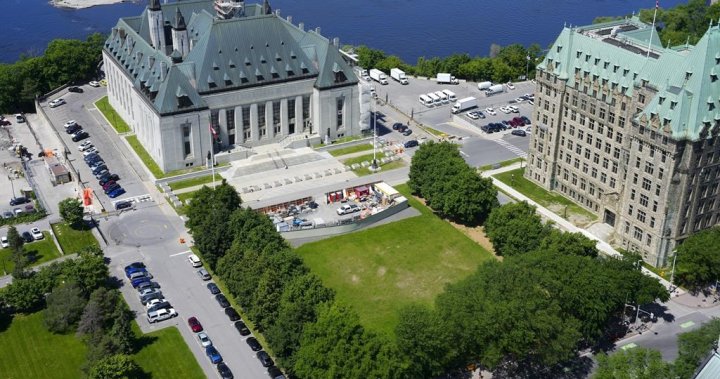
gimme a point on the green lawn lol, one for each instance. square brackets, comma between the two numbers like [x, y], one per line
[185, 196]
[73, 240]
[500, 164]
[111, 115]
[350, 149]
[187, 183]
[39, 252]
[164, 354]
[434, 132]
[553, 201]
[379, 270]
[145, 157]
[28, 350]
[362, 171]
[363, 158]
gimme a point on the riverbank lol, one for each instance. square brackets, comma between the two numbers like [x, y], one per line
[81, 4]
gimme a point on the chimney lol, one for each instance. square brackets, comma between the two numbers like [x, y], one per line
[289, 19]
[301, 26]
[277, 12]
[336, 42]
[317, 30]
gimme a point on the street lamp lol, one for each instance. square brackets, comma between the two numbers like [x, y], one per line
[12, 186]
[374, 165]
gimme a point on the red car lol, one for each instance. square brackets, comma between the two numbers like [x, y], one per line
[195, 325]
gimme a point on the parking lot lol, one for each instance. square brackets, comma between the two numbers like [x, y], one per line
[80, 108]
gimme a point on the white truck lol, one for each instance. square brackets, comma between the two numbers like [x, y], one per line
[482, 86]
[494, 90]
[464, 104]
[398, 75]
[378, 76]
[450, 95]
[445, 78]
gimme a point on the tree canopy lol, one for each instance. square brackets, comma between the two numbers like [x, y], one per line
[698, 259]
[71, 210]
[515, 228]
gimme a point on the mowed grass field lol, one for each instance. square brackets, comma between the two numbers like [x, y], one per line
[381, 269]
[28, 350]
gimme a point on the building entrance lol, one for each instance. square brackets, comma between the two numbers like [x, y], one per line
[609, 218]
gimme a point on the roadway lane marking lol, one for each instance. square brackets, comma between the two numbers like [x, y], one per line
[629, 346]
[464, 154]
[686, 325]
[184, 252]
[514, 149]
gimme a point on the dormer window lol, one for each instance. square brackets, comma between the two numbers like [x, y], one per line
[289, 70]
[688, 74]
[243, 78]
[673, 104]
[713, 78]
[277, 57]
[247, 62]
[215, 66]
[274, 73]
[227, 80]
[292, 54]
[231, 64]
[258, 75]
[211, 82]
[578, 54]
[304, 68]
[262, 59]
[661, 100]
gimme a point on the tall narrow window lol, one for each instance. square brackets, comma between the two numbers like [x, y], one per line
[230, 116]
[340, 105]
[262, 126]
[187, 147]
[276, 117]
[291, 116]
[246, 123]
[307, 124]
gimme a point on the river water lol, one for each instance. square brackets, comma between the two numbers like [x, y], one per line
[407, 28]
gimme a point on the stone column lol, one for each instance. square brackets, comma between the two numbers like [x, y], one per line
[222, 128]
[254, 127]
[239, 133]
[284, 127]
[269, 125]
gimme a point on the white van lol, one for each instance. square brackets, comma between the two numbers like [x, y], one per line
[435, 98]
[451, 95]
[426, 101]
[161, 315]
[443, 97]
[194, 260]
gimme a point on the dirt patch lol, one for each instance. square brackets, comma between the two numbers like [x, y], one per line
[381, 271]
[577, 219]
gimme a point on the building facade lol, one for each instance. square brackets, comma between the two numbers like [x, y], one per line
[628, 129]
[200, 75]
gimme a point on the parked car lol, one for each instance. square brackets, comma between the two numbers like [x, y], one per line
[56, 103]
[94, 84]
[19, 118]
[242, 328]
[147, 285]
[19, 200]
[204, 339]
[111, 188]
[80, 135]
[7, 215]
[133, 268]
[109, 185]
[213, 354]
[117, 192]
[69, 124]
[410, 143]
[18, 212]
[140, 274]
[98, 167]
[265, 359]
[27, 237]
[254, 344]
[519, 132]
[157, 295]
[110, 177]
[203, 274]
[161, 305]
[224, 371]
[194, 260]
[101, 173]
[473, 115]
[232, 314]
[510, 85]
[75, 89]
[525, 120]
[85, 148]
[92, 157]
[505, 110]
[275, 373]
[124, 204]
[222, 300]
[73, 129]
[397, 125]
[513, 109]
[136, 282]
[347, 209]
[152, 303]
[37, 234]
[4, 242]
[195, 325]
[95, 163]
[214, 289]
[161, 315]
[490, 111]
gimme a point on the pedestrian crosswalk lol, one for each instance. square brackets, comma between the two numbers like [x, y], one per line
[516, 150]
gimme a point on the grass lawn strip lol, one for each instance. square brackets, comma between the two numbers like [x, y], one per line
[165, 355]
[363, 158]
[111, 115]
[28, 350]
[145, 157]
[381, 269]
[73, 240]
[350, 149]
[550, 200]
[187, 183]
[185, 196]
[40, 251]
[363, 171]
[506, 163]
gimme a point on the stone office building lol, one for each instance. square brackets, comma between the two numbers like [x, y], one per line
[628, 129]
[197, 75]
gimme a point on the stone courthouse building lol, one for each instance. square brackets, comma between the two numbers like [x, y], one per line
[628, 129]
[199, 75]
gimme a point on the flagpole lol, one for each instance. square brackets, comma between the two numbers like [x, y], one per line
[657, 5]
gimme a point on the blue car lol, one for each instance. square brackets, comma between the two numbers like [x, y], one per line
[117, 192]
[136, 282]
[213, 354]
[133, 270]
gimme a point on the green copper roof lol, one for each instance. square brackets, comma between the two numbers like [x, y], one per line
[616, 55]
[250, 49]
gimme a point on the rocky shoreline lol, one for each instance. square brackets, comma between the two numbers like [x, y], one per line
[81, 4]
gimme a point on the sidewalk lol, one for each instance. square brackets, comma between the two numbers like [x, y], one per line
[563, 224]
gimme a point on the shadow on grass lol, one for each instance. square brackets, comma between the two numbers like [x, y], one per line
[5, 321]
[32, 256]
[142, 342]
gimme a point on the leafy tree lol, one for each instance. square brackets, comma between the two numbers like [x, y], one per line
[698, 259]
[569, 243]
[637, 363]
[98, 312]
[65, 306]
[419, 338]
[88, 271]
[694, 347]
[298, 307]
[118, 366]
[121, 333]
[469, 198]
[25, 295]
[368, 58]
[18, 256]
[14, 240]
[71, 210]
[515, 228]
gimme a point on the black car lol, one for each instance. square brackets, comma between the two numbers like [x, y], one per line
[411, 143]
[398, 126]
[98, 167]
[27, 237]
[92, 157]
[275, 373]
[407, 132]
[72, 129]
[158, 306]
[80, 135]
[518, 132]
[19, 200]
[101, 174]
[265, 359]
[75, 89]
[525, 120]
[109, 177]
[224, 371]
[222, 300]
[214, 289]
[120, 205]
[242, 328]
[232, 314]
[254, 344]
[112, 188]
